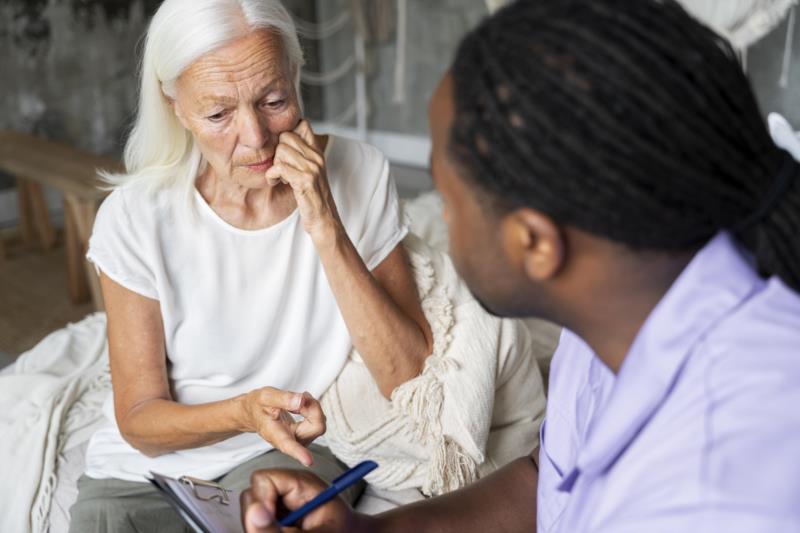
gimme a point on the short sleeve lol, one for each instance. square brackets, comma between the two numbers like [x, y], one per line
[117, 248]
[382, 228]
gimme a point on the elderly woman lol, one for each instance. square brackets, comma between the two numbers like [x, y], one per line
[242, 258]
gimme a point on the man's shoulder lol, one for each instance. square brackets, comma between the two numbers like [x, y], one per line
[574, 363]
[757, 342]
[746, 383]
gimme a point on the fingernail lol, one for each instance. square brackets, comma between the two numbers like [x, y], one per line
[260, 517]
[297, 401]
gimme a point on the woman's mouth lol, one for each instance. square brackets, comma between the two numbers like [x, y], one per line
[260, 167]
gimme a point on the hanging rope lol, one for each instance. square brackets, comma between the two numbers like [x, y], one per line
[400, 53]
[324, 78]
[787, 51]
[322, 30]
[742, 22]
[345, 117]
[371, 19]
[494, 5]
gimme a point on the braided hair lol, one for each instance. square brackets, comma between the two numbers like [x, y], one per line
[628, 120]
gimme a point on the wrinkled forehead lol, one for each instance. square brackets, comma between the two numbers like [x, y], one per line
[257, 60]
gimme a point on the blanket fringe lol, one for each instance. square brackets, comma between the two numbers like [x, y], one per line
[420, 400]
[450, 469]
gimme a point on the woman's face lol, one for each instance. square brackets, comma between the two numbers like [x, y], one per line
[236, 101]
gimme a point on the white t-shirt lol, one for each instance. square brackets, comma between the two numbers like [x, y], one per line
[241, 309]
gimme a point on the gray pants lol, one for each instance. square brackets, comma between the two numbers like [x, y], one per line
[113, 505]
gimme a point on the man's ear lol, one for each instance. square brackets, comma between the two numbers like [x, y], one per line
[534, 242]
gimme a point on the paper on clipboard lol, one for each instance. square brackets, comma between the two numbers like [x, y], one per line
[206, 506]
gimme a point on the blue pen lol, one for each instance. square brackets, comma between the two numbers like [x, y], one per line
[340, 484]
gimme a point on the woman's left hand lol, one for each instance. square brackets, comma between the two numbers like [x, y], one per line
[394, 347]
[300, 163]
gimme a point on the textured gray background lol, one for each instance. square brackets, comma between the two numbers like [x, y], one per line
[434, 29]
[764, 67]
[67, 70]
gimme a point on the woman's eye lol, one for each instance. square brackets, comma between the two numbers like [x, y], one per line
[217, 117]
[274, 104]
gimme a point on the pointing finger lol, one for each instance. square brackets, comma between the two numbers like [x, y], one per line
[283, 439]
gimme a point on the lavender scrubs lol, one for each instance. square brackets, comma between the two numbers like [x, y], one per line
[700, 429]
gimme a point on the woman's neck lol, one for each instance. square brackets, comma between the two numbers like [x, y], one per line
[249, 208]
[243, 207]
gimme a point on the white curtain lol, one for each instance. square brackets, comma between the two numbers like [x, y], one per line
[494, 5]
[743, 22]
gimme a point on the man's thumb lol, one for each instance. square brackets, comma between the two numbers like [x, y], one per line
[258, 520]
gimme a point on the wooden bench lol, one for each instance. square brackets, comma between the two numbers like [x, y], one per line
[37, 162]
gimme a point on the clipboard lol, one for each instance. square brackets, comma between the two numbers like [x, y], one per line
[206, 506]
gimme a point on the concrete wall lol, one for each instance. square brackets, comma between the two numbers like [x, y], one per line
[67, 70]
[764, 62]
[434, 29]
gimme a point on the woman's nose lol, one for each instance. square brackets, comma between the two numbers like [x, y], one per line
[253, 131]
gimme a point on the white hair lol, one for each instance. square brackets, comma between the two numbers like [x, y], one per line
[159, 152]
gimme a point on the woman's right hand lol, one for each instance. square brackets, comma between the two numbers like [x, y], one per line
[268, 412]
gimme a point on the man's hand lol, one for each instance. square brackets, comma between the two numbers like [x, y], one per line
[275, 493]
[266, 411]
[502, 501]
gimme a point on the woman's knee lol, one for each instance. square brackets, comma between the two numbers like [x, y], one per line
[90, 515]
[114, 506]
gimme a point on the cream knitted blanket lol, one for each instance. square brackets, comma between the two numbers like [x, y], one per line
[476, 406]
[51, 400]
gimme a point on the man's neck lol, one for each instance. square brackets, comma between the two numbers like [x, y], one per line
[610, 314]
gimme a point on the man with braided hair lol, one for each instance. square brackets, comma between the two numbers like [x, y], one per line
[604, 165]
